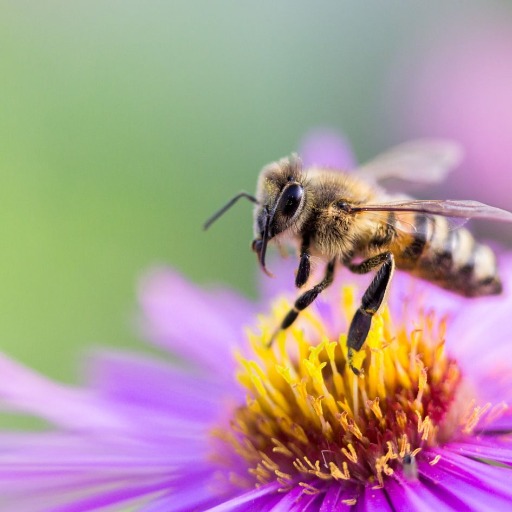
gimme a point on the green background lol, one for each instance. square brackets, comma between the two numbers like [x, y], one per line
[123, 125]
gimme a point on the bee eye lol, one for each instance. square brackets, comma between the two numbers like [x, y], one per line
[342, 205]
[290, 200]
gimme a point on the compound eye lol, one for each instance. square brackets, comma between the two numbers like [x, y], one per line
[290, 200]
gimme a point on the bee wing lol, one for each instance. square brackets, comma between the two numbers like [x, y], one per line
[456, 212]
[420, 161]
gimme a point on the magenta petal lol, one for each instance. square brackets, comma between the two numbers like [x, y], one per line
[469, 483]
[335, 494]
[124, 495]
[150, 383]
[485, 447]
[414, 496]
[201, 327]
[23, 390]
[373, 500]
[296, 500]
[326, 148]
[252, 500]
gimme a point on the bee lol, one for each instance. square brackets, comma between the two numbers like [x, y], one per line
[348, 219]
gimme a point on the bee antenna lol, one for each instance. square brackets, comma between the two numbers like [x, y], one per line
[227, 206]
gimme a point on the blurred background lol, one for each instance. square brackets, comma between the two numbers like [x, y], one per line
[124, 125]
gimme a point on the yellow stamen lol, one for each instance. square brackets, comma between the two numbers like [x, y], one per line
[309, 419]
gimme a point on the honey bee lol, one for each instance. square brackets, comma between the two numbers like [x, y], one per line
[348, 219]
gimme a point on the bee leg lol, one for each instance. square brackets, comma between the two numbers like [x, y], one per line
[371, 302]
[304, 266]
[306, 299]
[369, 264]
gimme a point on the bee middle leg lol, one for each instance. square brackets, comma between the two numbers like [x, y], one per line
[304, 266]
[371, 302]
[306, 299]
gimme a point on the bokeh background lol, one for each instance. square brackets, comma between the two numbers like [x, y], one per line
[124, 124]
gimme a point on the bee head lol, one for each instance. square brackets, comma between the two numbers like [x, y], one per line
[281, 200]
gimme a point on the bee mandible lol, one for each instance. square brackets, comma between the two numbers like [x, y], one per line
[349, 219]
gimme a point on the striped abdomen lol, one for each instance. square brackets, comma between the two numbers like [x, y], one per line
[450, 258]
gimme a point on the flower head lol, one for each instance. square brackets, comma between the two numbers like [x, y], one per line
[245, 427]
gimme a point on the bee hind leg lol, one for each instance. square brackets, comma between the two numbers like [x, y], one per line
[371, 302]
[306, 299]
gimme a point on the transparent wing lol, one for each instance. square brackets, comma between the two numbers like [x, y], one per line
[407, 222]
[456, 212]
[420, 161]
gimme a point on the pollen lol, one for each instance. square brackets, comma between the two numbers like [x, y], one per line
[309, 420]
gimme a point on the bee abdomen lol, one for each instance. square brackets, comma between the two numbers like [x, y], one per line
[454, 260]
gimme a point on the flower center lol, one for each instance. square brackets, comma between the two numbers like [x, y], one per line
[309, 419]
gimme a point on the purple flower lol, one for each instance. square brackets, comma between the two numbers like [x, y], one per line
[425, 427]
[229, 424]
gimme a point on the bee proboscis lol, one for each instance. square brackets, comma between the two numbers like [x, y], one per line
[347, 218]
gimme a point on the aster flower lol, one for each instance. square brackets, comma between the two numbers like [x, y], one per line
[427, 426]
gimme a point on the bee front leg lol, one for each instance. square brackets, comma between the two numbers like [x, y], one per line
[306, 299]
[371, 302]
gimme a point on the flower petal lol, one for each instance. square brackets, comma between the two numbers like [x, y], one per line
[473, 484]
[414, 496]
[22, 389]
[484, 447]
[199, 326]
[253, 500]
[139, 380]
[326, 148]
[373, 500]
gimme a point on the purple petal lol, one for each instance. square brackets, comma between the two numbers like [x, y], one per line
[326, 148]
[139, 380]
[373, 500]
[414, 496]
[22, 389]
[502, 424]
[248, 501]
[336, 493]
[200, 326]
[490, 449]
[474, 484]
[125, 495]
[296, 500]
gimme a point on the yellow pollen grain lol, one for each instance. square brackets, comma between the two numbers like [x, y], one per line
[475, 417]
[285, 477]
[404, 446]
[349, 501]
[375, 407]
[391, 455]
[350, 453]
[337, 473]
[281, 448]
[435, 460]
[422, 384]
[309, 489]
[299, 466]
